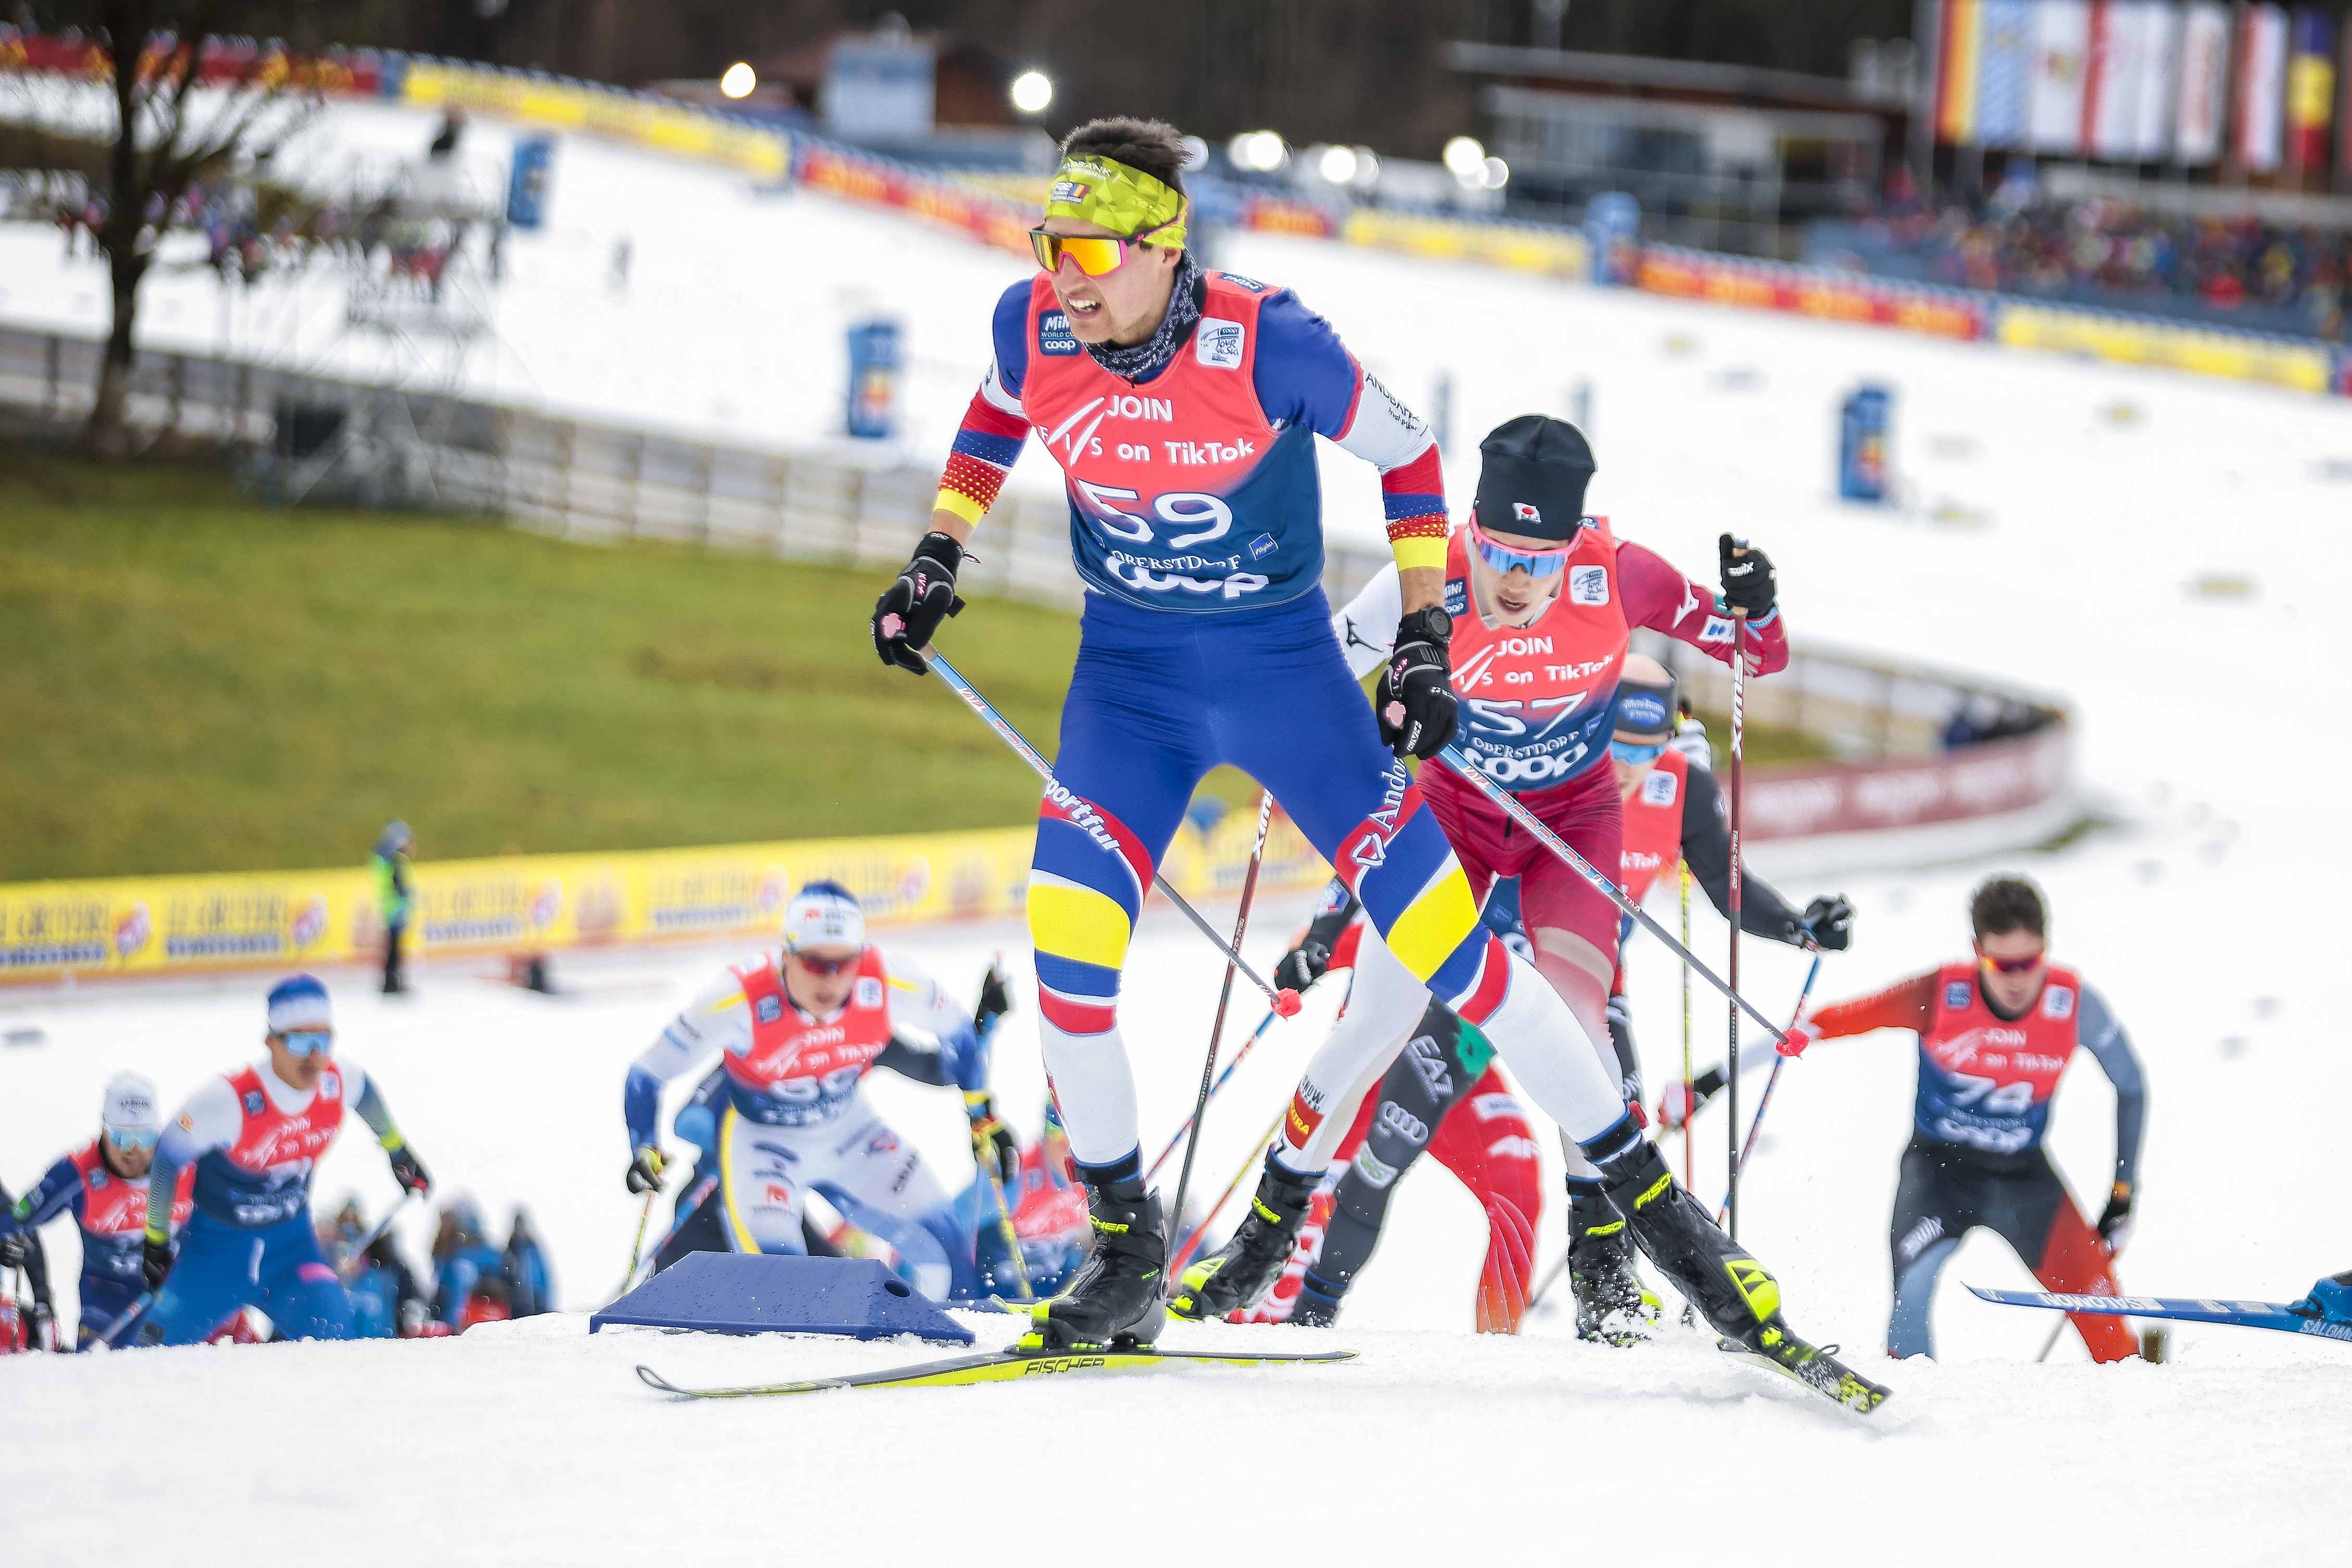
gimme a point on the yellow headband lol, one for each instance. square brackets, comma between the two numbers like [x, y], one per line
[1098, 189]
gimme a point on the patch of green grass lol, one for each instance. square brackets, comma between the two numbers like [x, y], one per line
[1762, 744]
[193, 682]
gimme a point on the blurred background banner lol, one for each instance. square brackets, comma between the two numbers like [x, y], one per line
[537, 903]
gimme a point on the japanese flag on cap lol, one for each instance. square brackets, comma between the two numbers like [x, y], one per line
[299, 1002]
[129, 1105]
[824, 915]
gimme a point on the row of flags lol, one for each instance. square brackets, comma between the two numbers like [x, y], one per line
[2146, 81]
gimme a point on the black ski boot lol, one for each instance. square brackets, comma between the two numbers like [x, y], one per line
[1611, 1305]
[1736, 1294]
[1113, 1298]
[1243, 1269]
[1317, 1306]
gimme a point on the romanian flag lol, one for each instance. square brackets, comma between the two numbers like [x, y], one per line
[2310, 89]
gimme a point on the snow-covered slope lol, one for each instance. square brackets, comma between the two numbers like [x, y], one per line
[2078, 504]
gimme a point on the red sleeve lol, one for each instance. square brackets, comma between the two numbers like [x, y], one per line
[1343, 951]
[1659, 597]
[1907, 1004]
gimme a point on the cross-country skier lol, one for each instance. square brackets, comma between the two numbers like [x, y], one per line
[1544, 599]
[795, 1032]
[1672, 812]
[104, 1183]
[253, 1138]
[1442, 1096]
[1183, 405]
[1995, 1034]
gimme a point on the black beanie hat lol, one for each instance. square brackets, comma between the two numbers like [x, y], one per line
[1532, 472]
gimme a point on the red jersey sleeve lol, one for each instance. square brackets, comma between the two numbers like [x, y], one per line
[1659, 597]
[1907, 1003]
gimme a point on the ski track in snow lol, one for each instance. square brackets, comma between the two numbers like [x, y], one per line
[2207, 736]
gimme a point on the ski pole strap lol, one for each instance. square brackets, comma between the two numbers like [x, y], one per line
[1029, 754]
[1453, 757]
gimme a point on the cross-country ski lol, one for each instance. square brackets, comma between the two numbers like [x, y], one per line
[2280, 1315]
[1005, 1366]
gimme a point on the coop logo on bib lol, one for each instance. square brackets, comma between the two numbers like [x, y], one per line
[869, 991]
[1658, 788]
[1053, 334]
[1218, 344]
[767, 1010]
[1588, 585]
[1956, 996]
[2058, 1002]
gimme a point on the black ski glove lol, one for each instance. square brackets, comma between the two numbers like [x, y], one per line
[1747, 577]
[2116, 1221]
[409, 1171]
[154, 1262]
[645, 1170]
[1680, 1101]
[995, 1002]
[909, 613]
[1830, 923]
[993, 1147]
[13, 1248]
[1415, 699]
[1303, 965]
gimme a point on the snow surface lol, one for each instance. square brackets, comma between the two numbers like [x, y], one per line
[2079, 503]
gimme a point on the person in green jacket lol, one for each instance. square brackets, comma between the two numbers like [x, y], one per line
[394, 891]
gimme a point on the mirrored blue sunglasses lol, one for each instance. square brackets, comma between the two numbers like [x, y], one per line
[309, 1042]
[133, 1137]
[1535, 563]
[1633, 756]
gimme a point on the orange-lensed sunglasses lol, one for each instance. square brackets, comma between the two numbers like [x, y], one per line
[1097, 256]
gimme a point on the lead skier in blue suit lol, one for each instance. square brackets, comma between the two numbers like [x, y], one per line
[1182, 406]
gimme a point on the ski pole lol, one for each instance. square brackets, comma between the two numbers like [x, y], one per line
[1557, 1269]
[130, 1315]
[1509, 805]
[1764, 1102]
[684, 1210]
[1178, 1135]
[1731, 912]
[1225, 998]
[372, 1237]
[1004, 1228]
[1265, 1140]
[1285, 1000]
[2051, 1343]
[637, 1246]
[1690, 1157]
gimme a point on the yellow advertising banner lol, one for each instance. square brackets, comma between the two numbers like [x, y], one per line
[1561, 253]
[539, 903]
[2139, 342]
[552, 105]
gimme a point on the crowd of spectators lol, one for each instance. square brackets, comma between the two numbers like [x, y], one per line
[2016, 240]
